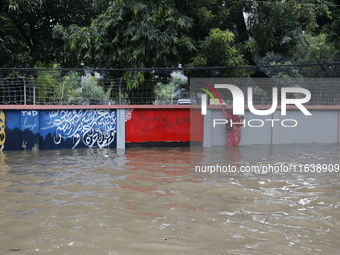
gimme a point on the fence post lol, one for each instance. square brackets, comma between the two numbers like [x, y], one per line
[33, 91]
[62, 93]
[24, 90]
[120, 91]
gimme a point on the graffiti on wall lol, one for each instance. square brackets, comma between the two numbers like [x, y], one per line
[30, 129]
[92, 127]
[128, 114]
[2, 129]
[30, 120]
[160, 122]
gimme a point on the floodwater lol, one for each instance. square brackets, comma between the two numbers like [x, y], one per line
[146, 201]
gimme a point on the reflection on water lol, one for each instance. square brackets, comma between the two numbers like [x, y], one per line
[3, 171]
[142, 201]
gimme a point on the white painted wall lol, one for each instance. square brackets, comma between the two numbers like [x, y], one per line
[321, 127]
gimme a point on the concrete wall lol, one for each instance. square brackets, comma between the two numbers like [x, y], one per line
[61, 128]
[321, 127]
[57, 127]
[162, 125]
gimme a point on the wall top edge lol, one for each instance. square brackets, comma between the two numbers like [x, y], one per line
[71, 107]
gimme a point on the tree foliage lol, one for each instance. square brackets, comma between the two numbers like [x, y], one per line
[26, 27]
[128, 34]
[309, 50]
[218, 49]
[177, 88]
[158, 33]
[13, 52]
[273, 24]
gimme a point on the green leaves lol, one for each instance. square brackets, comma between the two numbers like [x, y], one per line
[130, 34]
[272, 21]
[145, 33]
[218, 49]
[133, 79]
[175, 88]
[73, 45]
[31, 22]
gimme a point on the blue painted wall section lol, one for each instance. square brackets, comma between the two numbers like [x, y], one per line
[78, 129]
[30, 129]
[13, 140]
[46, 129]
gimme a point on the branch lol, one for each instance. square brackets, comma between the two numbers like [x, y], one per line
[35, 56]
[21, 30]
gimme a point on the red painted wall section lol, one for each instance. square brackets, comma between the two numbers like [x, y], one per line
[162, 125]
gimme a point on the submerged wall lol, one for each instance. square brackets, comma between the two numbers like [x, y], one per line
[162, 125]
[58, 127]
[321, 127]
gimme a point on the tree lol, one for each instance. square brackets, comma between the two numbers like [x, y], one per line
[144, 33]
[276, 60]
[218, 49]
[26, 28]
[330, 24]
[272, 26]
[175, 89]
[316, 50]
[128, 34]
[12, 51]
[310, 50]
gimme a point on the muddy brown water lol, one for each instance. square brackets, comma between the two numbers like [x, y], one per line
[146, 201]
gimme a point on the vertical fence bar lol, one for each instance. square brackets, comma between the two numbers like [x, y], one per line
[62, 93]
[33, 91]
[24, 90]
[120, 91]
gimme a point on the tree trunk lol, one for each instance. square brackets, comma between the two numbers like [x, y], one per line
[243, 37]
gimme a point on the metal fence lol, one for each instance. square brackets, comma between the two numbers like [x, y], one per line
[54, 87]
[86, 87]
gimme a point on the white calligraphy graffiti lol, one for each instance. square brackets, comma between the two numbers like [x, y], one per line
[29, 126]
[92, 127]
[128, 114]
